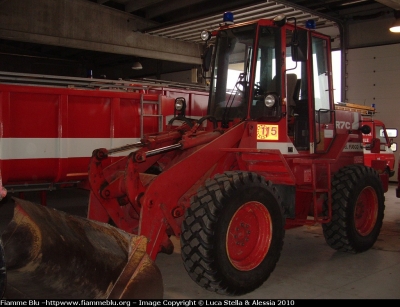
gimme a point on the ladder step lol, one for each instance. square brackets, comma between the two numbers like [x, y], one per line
[157, 103]
[150, 102]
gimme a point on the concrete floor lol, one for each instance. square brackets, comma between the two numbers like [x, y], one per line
[308, 267]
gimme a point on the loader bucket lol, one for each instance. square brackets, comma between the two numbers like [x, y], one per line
[51, 254]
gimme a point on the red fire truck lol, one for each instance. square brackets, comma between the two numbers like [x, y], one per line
[377, 145]
[51, 124]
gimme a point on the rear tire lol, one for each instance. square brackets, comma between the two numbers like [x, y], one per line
[357, 209]
[232, 235]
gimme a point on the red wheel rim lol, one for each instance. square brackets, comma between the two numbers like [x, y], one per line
[249, 236]
[366, 211]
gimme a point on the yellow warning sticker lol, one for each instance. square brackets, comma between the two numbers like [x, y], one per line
[267, 132]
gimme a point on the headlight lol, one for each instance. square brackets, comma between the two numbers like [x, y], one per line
[205, 35]
[179, 103]
[270, 101]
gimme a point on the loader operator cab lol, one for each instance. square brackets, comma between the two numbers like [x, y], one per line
[272, 71]
[234, 72]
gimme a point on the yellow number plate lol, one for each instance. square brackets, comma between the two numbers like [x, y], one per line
[267, 132]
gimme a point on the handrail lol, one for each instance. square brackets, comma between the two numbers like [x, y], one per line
[102, 84]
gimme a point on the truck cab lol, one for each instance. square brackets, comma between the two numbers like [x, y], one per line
[378, 132]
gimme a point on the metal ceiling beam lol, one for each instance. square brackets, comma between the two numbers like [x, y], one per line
[67, 26]
[213, 21]
[394, 4]
[169, 6]
[134, 5]
[190, 30]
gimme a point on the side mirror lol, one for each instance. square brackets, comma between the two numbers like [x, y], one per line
[206, 57]
[299, 45]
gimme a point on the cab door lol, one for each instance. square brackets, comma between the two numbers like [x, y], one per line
[322, 94]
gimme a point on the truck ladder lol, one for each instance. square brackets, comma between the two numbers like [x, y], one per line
[142, 114]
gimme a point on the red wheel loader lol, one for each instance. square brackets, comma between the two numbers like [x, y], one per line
[272, 154]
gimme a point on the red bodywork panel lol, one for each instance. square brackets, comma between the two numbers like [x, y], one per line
[48, 133]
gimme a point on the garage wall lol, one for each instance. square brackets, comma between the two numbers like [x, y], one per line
[372, 77]
[371, 33]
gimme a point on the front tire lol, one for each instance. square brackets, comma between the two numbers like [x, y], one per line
[232, 235]
[357, 209]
